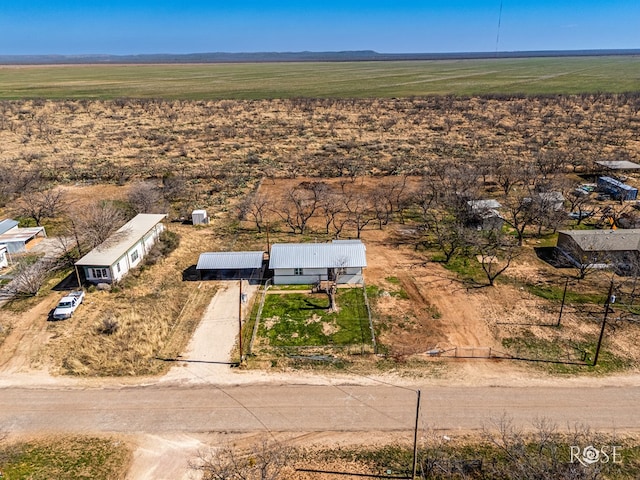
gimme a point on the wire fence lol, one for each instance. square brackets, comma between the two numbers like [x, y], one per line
[254, 334]
[366, 302]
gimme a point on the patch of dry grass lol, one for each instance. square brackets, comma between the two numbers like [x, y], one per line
[151, 316]
[66, 458]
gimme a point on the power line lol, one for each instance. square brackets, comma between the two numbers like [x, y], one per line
[499, 23]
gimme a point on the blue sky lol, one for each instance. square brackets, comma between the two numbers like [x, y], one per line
[400, 26]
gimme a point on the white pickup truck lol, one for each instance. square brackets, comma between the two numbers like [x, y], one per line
[68, 305]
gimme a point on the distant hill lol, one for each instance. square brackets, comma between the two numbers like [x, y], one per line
[263, 57]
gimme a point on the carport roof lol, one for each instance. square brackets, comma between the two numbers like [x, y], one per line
[229, 260]
[20, 235]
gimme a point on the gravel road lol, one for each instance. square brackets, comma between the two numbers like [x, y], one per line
[164, 409]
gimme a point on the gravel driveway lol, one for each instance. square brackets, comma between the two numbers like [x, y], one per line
[208, 356]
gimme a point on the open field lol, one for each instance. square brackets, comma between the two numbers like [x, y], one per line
[532, 76]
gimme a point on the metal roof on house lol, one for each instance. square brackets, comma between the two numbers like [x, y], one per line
[229, 260]
[317, 255]
[122, 240]
[7, 224]
[618, 164]
[605, 240]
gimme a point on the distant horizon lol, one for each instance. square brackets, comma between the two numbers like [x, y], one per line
[293, 51]
[293, 56]
[171, 27]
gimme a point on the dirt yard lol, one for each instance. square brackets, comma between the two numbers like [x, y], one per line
[420, 306]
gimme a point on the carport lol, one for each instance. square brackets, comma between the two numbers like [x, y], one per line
[231, 266]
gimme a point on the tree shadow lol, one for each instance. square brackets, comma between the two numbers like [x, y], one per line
[314, 305]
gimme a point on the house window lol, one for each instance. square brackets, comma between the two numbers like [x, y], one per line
[99, 273]
[134, 255]
[297, 271]
[118, 267]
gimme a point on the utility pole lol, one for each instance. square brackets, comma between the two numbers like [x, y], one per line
[564, 295]
[604, 322]
[240, 322]
[268, 243]
[415, 438]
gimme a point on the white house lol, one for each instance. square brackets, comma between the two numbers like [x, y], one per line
[306, 263]
[110, 262]
[3, 256]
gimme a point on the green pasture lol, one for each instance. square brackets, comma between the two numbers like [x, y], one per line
[528, 76]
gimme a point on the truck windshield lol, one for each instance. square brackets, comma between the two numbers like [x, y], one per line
[64, 305]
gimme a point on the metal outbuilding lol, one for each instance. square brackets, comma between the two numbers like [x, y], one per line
[7, 224]
[230, 265]
[19, 240]
[617, 189]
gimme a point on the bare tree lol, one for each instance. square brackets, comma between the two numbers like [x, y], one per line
[578, 201]
[174, 187]
[41, 204]
[92, 225]
[146, 197]
[300, 204]
[521, 212]
[263, 461]
[255, 207]
[538, 455]
[495, 252]
[357, 206]
[29, 278]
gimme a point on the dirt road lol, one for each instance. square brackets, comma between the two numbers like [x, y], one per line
[181, 409]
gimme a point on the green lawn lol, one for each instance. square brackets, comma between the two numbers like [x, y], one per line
[299, 319]
[530, 76]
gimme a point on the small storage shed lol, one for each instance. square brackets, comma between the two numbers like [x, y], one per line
[617, 189]
[230, 265]
[199, 217]
[3, 256]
